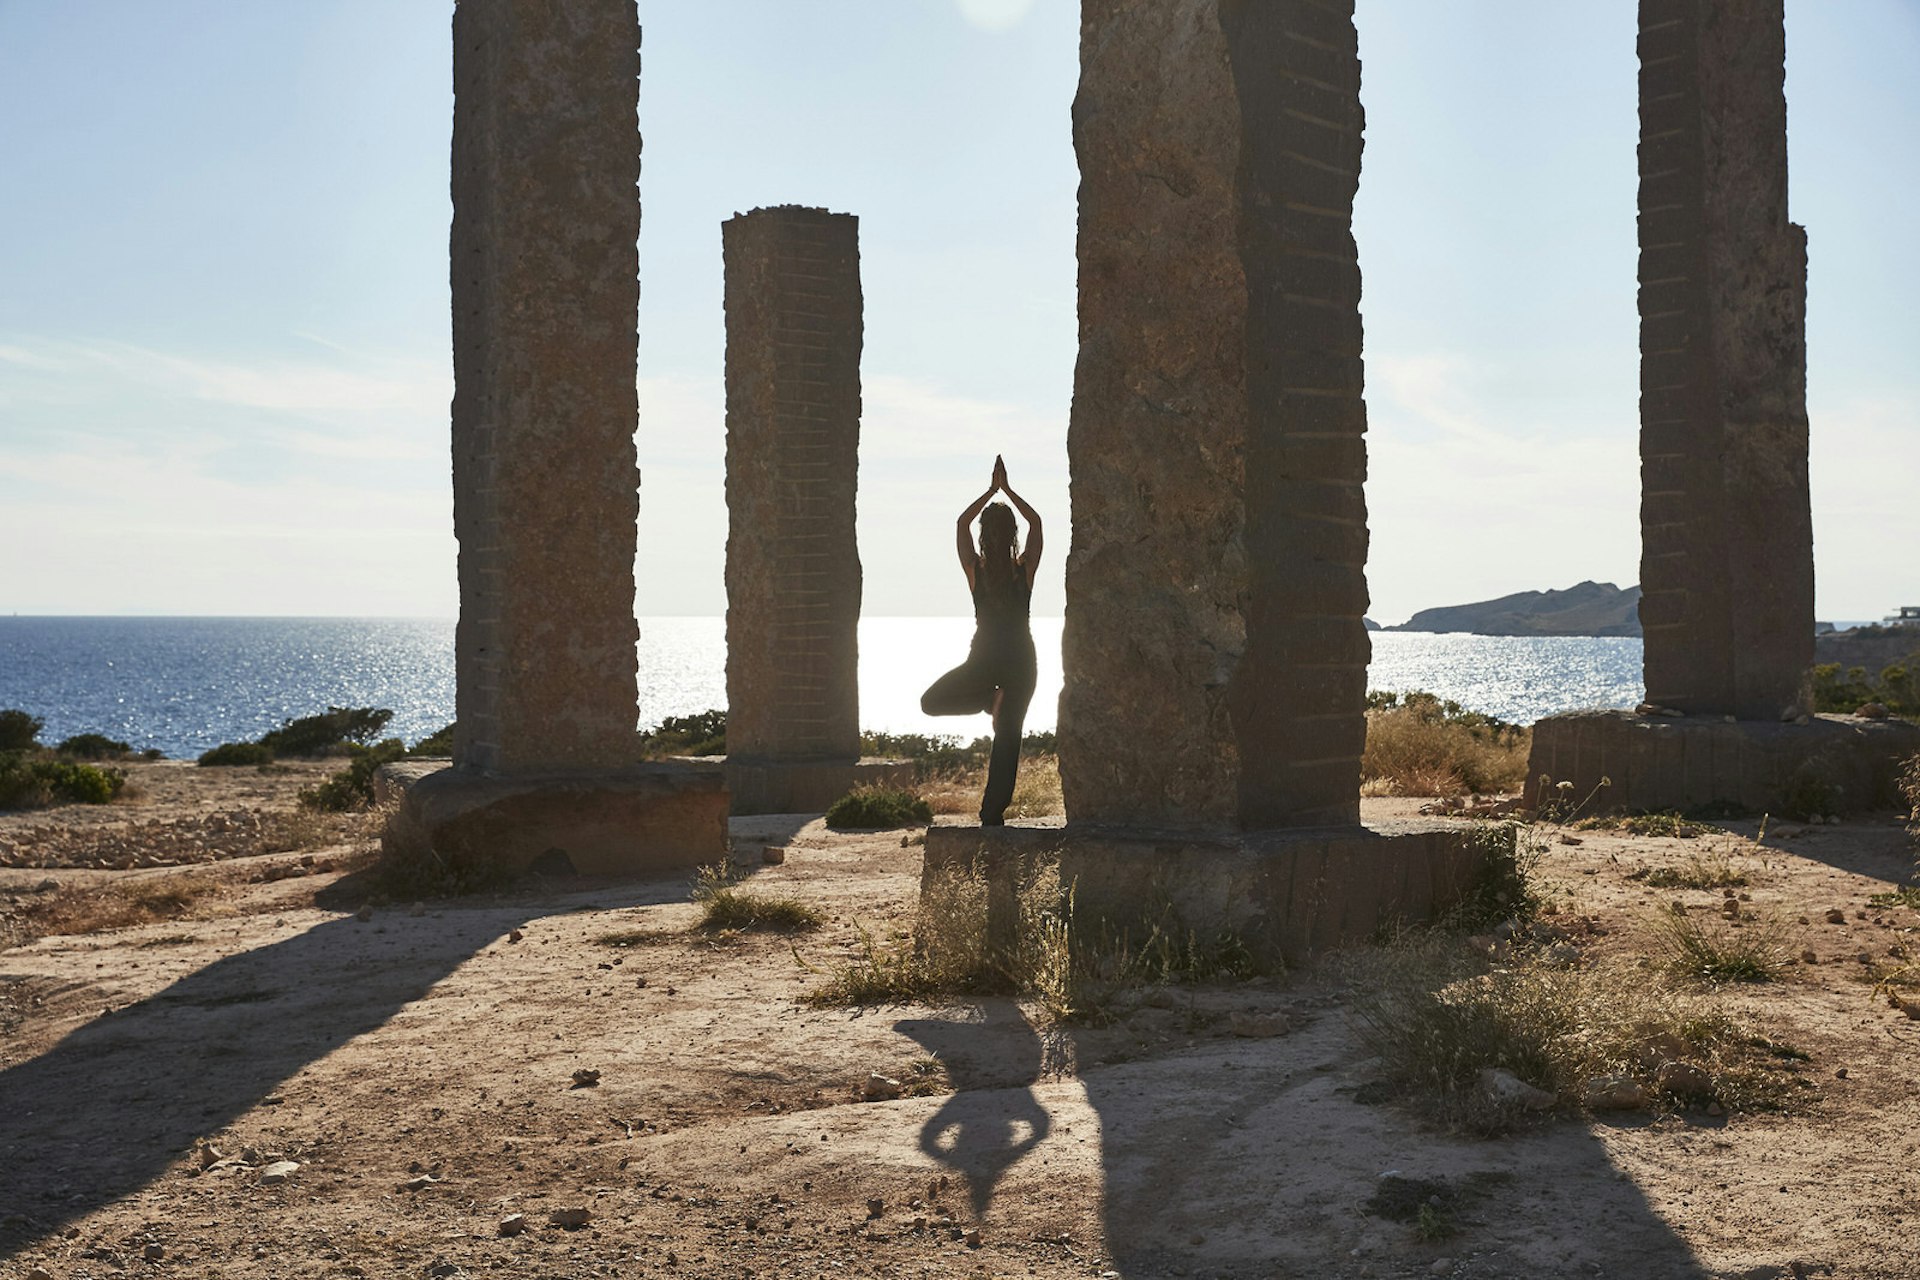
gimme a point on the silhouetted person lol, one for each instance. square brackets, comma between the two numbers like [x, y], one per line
[998, 675]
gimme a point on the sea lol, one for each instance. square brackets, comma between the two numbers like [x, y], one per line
[182, 685]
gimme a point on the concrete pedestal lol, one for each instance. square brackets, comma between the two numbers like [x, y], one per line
[1830, 765]
[640, 820]
[1285, 893]
[807, 786]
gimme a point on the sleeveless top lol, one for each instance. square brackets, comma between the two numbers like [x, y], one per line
[1000, 616]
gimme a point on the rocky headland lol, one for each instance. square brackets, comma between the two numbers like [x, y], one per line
[1586, 609]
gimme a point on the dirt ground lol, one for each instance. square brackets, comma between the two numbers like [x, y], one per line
[277, 1079]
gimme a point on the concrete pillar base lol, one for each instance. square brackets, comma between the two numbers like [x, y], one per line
[640, 820]
[1830, 765]
[807, 786]
[1285, 894]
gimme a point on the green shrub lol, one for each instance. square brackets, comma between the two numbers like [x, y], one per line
[93, 746]
[1897, 687]
[437, 743]
[725, 908]
[19, 731]
[352, 787]
[237, 753]
[875, 808]
[34, 784]
[704, 734]
[327, 732]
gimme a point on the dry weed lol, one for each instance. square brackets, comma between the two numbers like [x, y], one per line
[123, 904]
[1412, 753]
[1438, 1015]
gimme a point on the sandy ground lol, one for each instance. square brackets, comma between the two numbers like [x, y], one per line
[416, 1063]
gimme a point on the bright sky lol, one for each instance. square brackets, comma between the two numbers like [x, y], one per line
[224, 366]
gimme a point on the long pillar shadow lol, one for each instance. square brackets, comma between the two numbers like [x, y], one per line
[1238, 1154]
[107, 1109]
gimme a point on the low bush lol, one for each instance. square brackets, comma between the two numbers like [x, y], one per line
[30, 783]
[1845, 691]
[726, 908]
[876, 808]
[1723, 948]
[327, 732]
[704, 734]
[352, 787]
[19, 731]
[437, 743]
[236, 753]
[93, 746]
[1421, 745]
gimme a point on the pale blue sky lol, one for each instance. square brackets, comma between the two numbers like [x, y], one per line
[223, 309]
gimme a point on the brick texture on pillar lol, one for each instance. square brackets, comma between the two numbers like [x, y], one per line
[545, 275]
[1726, 526]
[1214, 649]
[793, 309]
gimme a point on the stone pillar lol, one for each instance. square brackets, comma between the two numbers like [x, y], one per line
[1214, 650]
[1726, 524]
[1726, 530]
[794, 325]
[545, 279]
[546, 298]
[1216, 659]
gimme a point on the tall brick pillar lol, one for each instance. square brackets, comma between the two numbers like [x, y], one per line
[794, 325]
[545, 275]
[1214, 650]
[1726, 559]
[1726, 524]
[1214, 715]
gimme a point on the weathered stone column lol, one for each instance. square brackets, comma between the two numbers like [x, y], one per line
[1216, 659]
[793, 453]
[545, 278]
[1726, 525]
[1214, 650]
[1726, 531]
[546, 298]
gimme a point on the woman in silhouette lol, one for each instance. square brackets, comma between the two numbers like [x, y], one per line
[998, 675]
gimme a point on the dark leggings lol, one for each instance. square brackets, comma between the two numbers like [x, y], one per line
[967, 690]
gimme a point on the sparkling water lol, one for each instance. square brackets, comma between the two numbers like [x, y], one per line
[182, 685]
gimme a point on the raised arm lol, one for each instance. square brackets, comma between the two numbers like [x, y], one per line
[963, 535]
[1029, 554]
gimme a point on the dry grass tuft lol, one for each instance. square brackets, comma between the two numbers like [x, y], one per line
[1668, 825]
[1420, 745]
[1743, 948]
[1036, 789]
[1077, 969]
[1716, 870]
[1438, 1014]
[725, 908]
[124, 904]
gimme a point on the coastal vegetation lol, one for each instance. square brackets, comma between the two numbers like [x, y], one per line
[1846, 691]
[877, 808]
[701, 734]
[329, 733]
[1419, 744]
[33, 777]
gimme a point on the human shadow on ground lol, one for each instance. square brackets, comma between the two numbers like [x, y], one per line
[107, 1109]
[992, 1119]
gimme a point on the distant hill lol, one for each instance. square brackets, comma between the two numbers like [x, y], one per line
[1589, 609]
